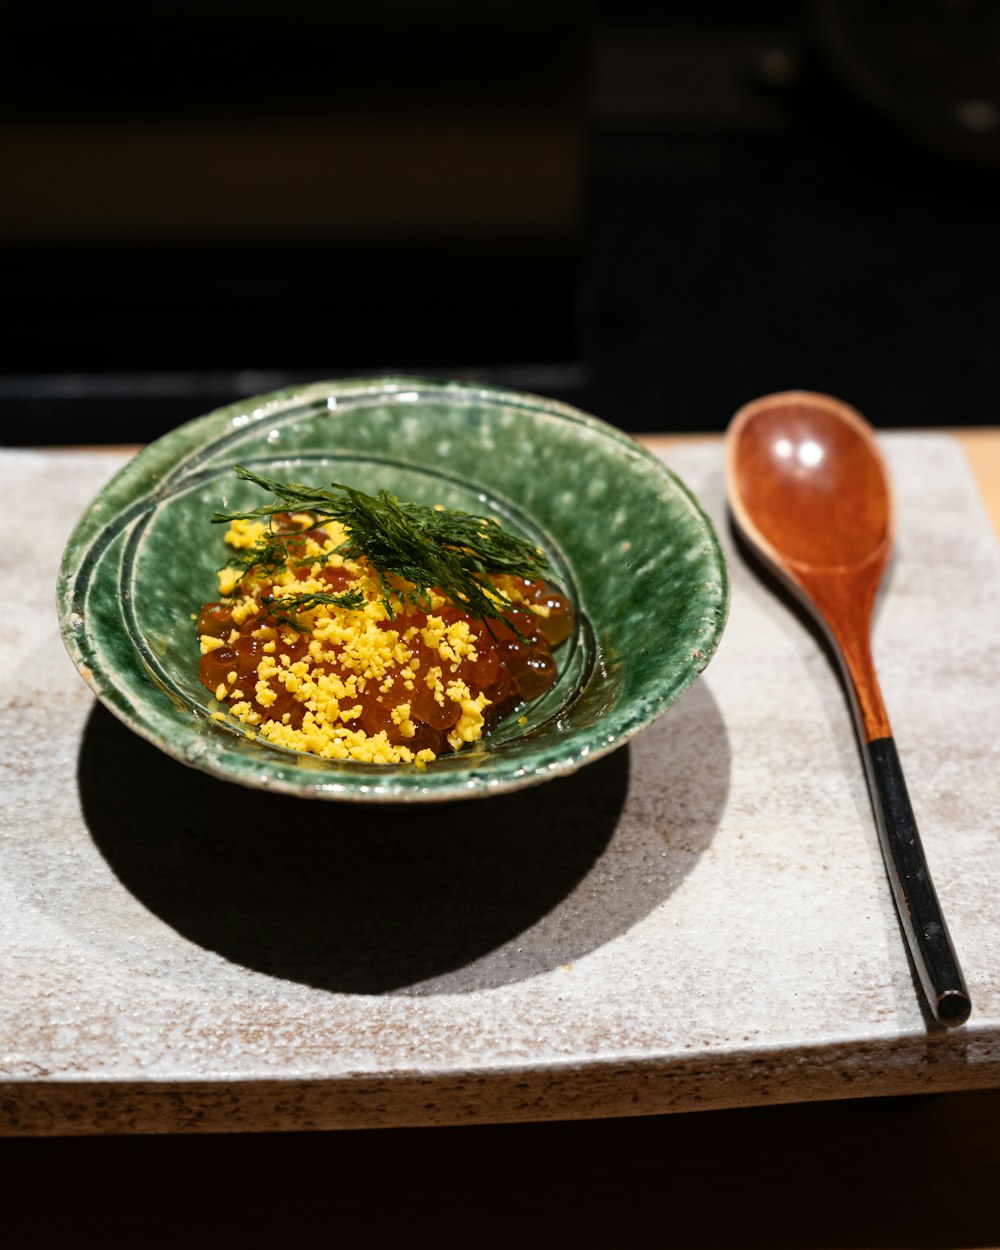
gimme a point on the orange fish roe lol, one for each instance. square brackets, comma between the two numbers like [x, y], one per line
[361, 683]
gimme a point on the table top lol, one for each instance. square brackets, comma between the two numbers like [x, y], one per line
[712, 929]
[859, 1172]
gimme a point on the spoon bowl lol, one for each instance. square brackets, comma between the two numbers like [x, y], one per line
[812, 486]
[810, 491]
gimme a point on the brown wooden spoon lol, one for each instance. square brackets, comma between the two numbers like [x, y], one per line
[809, 490]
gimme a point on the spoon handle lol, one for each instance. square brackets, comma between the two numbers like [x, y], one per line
[843, 601]
[916, 901]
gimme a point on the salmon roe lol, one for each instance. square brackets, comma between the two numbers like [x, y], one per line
[349, 682]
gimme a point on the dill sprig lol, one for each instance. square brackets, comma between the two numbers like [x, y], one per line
[269, 554]
[437, 549]
[284, 607]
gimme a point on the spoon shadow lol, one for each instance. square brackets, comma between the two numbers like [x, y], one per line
[417, 900]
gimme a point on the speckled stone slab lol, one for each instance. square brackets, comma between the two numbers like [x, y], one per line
[700, 920]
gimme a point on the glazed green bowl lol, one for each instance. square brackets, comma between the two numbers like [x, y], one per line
[625, 539]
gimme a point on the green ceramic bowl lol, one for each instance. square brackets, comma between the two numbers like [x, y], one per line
[625, 538]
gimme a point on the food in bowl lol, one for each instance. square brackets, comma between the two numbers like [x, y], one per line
[358, 627]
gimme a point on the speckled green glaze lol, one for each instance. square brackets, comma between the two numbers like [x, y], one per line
[626, 538]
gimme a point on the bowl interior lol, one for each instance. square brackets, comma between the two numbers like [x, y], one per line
[158, 589]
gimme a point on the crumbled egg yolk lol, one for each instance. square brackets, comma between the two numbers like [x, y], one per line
[362, 679]
[355, 643]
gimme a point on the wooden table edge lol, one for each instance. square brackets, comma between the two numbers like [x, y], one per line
[981, 447]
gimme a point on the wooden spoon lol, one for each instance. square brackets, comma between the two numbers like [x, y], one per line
[810, 492]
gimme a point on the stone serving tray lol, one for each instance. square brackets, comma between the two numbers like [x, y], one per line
[699, 920]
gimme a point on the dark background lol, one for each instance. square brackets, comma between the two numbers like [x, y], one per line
[654, 211]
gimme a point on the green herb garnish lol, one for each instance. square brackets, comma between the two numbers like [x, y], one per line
[279, 606]
[269, 555]
[436, 549]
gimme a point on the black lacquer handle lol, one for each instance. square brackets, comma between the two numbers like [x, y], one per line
[916, 901]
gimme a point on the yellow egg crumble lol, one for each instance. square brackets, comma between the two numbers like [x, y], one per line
[361, 682]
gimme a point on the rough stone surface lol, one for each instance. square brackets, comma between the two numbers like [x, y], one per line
[700, 920]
